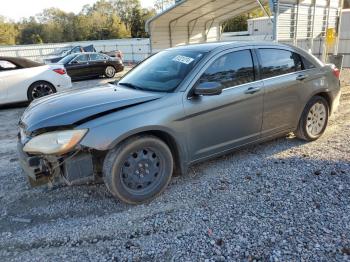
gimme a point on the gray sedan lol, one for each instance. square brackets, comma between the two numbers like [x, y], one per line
[178, 107]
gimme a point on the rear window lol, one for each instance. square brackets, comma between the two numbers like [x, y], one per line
[6, 65]
[275, 62]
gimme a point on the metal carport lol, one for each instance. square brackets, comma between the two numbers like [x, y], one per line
[300, 22]
[194, 21]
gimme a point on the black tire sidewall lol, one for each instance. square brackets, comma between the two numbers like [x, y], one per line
[310, 104]
[115, 160]
[32, 86]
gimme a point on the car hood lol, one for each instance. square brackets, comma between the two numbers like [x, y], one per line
[78, 106]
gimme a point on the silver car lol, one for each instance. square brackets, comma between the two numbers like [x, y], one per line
[179, 107]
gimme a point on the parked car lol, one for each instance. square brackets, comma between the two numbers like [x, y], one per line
[178, 107]
[114, 53]
[64, 52]
[25, 80]
[88, 65]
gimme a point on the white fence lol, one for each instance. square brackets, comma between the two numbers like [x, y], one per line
[134, 50]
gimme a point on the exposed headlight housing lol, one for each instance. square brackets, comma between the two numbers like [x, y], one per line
[55, 143]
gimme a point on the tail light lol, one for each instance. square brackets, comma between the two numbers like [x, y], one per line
[119, 54]
[336, 72]
[60, 71]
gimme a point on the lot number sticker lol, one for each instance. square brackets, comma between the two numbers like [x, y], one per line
[183, 59]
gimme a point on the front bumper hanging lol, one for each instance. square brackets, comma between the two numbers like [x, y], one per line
[73, 169]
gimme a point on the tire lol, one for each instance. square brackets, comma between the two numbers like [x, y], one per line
[138, 170]
[314, 119]
[110, 71]
[40, 89]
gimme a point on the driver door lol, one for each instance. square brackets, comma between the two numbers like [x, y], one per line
[233, 118]
[79, 67]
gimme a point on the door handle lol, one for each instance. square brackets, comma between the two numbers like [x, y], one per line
[301, 77]
[252, 90]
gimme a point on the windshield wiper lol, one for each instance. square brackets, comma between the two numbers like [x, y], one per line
[131, 86]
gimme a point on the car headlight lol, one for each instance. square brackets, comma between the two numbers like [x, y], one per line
[55, 143]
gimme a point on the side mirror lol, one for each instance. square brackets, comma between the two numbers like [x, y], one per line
[208, 89]
[74, 62]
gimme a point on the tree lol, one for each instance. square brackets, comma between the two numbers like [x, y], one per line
[100, 21]
[30, 31]
[240, 23]
[138, 21]
[161, 5]
[126, 9]
[346, 4]
[105, 19]
[8, 32]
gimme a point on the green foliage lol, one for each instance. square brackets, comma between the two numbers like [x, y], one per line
[239, 23]
[346, 4]
[30, 31]
[161, 5]
[8, 32]
[106, 19]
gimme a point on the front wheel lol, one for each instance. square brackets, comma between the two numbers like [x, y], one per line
[138, 170]
[314, 119]
[40, 89]
[110, 71]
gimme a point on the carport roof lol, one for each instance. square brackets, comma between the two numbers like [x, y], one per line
[192, 21]
[187, 11]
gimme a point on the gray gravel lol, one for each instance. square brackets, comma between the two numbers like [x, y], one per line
[284, 200]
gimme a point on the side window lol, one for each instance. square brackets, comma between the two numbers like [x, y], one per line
[307, 64]
[6, 65]
[82, 59]
[275, 62]
[97, 57]
[231, 69]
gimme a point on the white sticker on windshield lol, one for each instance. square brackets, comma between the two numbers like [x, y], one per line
[183, 59]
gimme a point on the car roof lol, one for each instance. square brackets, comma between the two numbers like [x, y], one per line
[22, 62]
[208, 47]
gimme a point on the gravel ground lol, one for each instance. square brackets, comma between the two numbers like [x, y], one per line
[284, 200]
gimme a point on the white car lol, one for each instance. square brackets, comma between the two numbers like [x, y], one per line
[24, 80]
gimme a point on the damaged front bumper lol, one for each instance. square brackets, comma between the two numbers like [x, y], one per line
[74, 168]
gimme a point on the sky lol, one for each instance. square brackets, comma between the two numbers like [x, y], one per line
[16, 9]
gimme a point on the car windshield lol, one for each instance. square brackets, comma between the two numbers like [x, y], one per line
[66, 59]
[162, 72]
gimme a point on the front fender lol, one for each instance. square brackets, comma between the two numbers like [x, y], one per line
[108, 131]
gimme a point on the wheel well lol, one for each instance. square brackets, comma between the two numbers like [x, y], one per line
[171, 143]
[111, 66]
[166, 138]
[40, 81]
[328, 99]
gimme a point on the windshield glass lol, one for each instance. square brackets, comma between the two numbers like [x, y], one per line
[67, 59]
[162, 72]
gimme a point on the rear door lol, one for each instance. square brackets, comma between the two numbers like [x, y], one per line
[98, 63]
[280, 70]
[222, 122]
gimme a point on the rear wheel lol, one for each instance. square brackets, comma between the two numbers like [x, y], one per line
[138, 170]
[40, 89]
[314, 119]
[110, 71]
